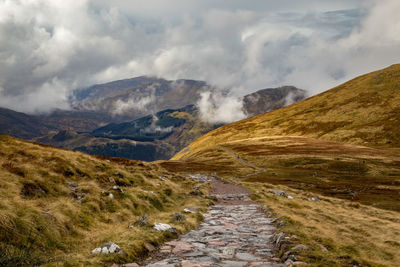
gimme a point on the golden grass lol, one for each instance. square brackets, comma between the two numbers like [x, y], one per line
[63, 224]
[365, 111]
[338, 232]
[358, 219]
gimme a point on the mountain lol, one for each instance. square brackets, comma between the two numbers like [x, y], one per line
[123, 100]
[149, 138]
[272, 98]
[129, 99]
[22, 125]
[329, 166]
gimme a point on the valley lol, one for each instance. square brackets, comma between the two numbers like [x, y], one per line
[324, 172]
[142, 118]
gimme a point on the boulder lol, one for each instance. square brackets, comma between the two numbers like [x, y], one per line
[108, 248]
[186, 210]
[163, 227]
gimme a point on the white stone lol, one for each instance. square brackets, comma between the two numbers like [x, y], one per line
[104, 250]
[111, 196]
[96, 251]
[290, 197]
[162, 227]
[186, 210]
[113, 248]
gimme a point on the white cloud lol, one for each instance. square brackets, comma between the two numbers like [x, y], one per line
[218, 108]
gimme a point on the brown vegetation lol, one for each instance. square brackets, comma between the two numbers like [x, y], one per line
[56, 206]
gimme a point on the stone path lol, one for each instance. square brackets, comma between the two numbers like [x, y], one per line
[242, 161]
[234, 233]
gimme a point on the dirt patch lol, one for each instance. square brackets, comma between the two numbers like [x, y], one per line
[221, 188]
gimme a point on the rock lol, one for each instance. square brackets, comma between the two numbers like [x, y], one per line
[149, 247]
[278, 238]
[163, 227]
[247, 257]
[111, 196]
[196, 191]
[290, 197]
[289, 263]
[129, 265]
[117, 188]
[181, 247]
[186, 210]
[228, 251]
[315, 199]
[192, 263]
[108, 248]
[233, 263]
[278, 192]
[143, 221]
[178, 217]
[299, 247]
[296, 263]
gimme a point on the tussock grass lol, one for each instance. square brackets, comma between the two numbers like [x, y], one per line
[55, 205]
[338, 232]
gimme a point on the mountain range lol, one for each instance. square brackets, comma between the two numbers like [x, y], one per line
[143, 118]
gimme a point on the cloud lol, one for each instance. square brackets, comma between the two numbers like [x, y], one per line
[50, 47]
[144, 103]
[218, 108]
[154, 128]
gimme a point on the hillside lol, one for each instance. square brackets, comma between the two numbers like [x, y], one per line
[58, 205]
[335, 155]
[22, 125]
[149, 138]
[362, 111]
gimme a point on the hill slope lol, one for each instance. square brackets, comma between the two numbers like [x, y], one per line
[22, 125]
[365, 110]
[58, 205]
[336, 157]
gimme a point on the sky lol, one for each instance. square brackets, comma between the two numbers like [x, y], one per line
[48, 48]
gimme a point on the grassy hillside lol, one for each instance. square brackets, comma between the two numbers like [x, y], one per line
[339, 147]
[55, 205]
[365, 110]
[356, 220]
